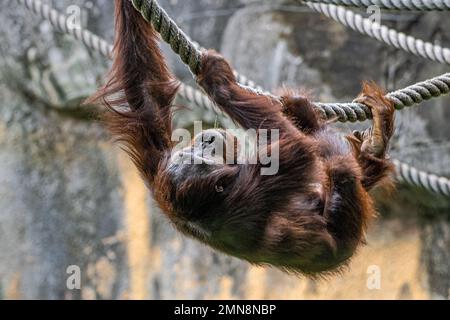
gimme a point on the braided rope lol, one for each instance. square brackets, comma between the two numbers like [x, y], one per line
[382, 33]
[431, 182]
[421, 91]
[197, 98]
[407, 97]
[420, 5]
[342, 111]
[189, 51]
[97, 44]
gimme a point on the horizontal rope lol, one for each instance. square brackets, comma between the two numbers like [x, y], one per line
[405, 173]
[341, 111]
[416, 5]
[419, 92]
[382, 33]
[170, 33]
[431, 182]
[97, 44]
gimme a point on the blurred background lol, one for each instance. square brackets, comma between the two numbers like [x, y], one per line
[70, 197]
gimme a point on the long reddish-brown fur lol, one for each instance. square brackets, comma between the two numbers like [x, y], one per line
[309, 218]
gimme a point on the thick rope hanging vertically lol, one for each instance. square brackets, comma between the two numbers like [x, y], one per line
[416, 5]
[342, 111]
[171, 33]
[404, 172]
[382, 33]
